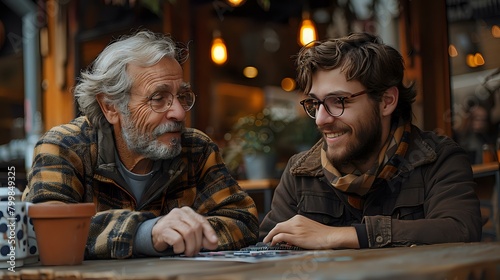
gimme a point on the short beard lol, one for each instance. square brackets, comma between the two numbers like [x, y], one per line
[146, 144]
[366, 144]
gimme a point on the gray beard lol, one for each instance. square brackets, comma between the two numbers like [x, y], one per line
[147, 145]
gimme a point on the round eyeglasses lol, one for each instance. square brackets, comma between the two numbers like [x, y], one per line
[160, 102]
[333, 104]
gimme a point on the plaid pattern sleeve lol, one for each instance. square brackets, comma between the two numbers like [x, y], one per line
[230, 210]
[112, 233]
[60, 159]
[64, 165]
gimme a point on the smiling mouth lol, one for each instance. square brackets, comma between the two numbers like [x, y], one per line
[334, 135]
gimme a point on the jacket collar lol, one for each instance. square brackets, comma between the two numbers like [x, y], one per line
[420, 152]
[169, 171]
[106, 147]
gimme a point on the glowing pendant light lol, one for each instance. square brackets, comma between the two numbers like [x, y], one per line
[307, 31]
[218, 51]
[235, 3]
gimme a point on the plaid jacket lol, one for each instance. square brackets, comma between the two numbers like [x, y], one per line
[76, 163]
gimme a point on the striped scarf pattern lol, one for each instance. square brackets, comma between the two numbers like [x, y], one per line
[356, 185]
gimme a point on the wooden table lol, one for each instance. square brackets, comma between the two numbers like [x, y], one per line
[442, 261]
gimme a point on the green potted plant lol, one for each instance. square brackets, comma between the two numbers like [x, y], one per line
[252, 141]
[301, 134]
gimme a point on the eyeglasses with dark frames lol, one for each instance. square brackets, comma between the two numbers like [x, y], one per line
[334, 105]
[160, 102]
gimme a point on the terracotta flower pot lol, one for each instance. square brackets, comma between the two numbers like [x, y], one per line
[61, 231]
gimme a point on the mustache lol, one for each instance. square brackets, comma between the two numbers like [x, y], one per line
[168, 127]
[330, 127]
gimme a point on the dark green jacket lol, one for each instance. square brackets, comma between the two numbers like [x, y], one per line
[76, 163]
[430, 200]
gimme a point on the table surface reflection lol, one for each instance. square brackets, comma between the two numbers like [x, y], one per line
[442, 261]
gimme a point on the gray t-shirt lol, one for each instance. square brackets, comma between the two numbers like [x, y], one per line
[138, 183]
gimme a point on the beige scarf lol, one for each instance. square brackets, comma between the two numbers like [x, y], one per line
[356, 185]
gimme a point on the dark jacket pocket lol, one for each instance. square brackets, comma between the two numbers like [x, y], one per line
[410, 204]
[411, 213]
[323, 209]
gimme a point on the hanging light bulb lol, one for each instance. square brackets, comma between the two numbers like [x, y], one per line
[495, 31]
[452, 50]
[235, 3]
[478, 59]
[307, 31]
[474, 60]
[218, 51]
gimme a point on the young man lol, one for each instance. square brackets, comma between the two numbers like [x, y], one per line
[374, 179]
[157, 186]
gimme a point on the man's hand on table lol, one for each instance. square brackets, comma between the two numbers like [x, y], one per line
[185, 230]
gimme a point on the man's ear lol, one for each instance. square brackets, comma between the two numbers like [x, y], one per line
[109, 110]
[389, 101]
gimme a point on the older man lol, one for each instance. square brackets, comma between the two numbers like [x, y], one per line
[158, 187]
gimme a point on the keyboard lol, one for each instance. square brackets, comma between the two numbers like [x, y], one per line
[261, 246]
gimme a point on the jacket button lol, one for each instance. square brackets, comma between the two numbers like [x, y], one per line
[379, 239]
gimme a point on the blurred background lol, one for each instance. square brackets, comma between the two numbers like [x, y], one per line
[246, 96]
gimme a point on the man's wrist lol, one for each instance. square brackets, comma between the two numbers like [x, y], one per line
[143, 242]
[362, 235]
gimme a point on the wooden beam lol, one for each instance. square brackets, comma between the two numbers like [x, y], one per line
[428, 29]
[57, 99]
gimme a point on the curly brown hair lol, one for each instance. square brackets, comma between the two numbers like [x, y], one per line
[361, 57]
